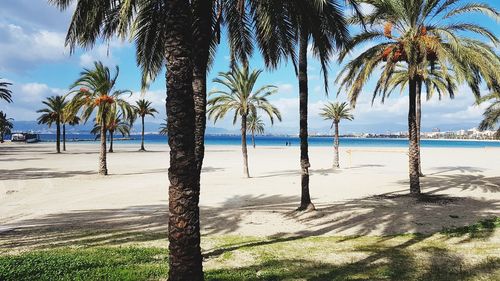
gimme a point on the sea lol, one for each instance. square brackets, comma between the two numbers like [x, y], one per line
[223, 140]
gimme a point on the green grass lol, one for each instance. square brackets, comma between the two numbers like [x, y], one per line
[454, 254]
[478, 230]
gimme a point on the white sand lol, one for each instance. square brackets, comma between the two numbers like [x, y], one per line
[45, 192]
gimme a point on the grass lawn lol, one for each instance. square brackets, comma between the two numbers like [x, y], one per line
[467, 253]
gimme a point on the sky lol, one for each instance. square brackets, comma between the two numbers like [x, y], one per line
[33, 57]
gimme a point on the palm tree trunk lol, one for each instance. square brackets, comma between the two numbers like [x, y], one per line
[253, 139]
[64, 136]
[58, 136]
[1, 137]
[111, 141]
[185, 260]
[103, 169]
[305, 200]
[202, 32]
[336, 147]
[142, 135]
[419, 121]
[244, 145]
[413, 140]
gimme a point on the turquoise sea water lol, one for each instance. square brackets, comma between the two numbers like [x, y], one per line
[281, 140]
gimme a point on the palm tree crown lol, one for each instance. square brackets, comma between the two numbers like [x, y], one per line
[5, 92]
[491, 116]
[144, 107]
[115, 123]
[336, 112]
[94, 91]
[255, 124]
[418, 33]
[163, 130]
[54, 111]
[6, 125]
[240, 98]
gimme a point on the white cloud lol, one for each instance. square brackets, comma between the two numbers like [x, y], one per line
[286, 88]
[21, 49]
[28, 98]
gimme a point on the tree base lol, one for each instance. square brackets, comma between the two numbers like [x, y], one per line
[306, 208]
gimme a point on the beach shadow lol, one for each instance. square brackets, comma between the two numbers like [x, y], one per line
[19, 159]
[381, 215]
[212, 169]
[321, 172]
[461, 169]
[366, 166]
[465, 182]
[39, 173]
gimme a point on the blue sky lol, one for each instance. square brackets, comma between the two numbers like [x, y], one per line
[34, 59]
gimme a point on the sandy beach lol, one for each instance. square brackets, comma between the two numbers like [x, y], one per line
[44, 194]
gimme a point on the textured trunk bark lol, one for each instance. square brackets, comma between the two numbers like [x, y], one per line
[244, 145]
[336, 147]
[111, 141]
[413, 141]
[202, 32]
[253, 139]
[103, 169]
[185, 260]
[1, 137]
[64, 136]
[142, 134]
[305, 199]
[419, 121]
[58, 136]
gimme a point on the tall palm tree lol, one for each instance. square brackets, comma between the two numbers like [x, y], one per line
[336, 112]
[156, 45]
[418, 33]
[5, 92]
[53, 114]
[5, 126]
[241, 99]
[255, 125]
[143, 108]
[95, 93]
[69, 117]
[491, 116]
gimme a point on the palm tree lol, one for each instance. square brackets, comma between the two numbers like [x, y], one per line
[491, 116]
[53, 113]
[336, 112]
[241, 99]
[418, 33]
[69, 117]
[255, 125]
[143, 108]
[5, 126]
[163, 130]
[156, 46]
[95, 92]
[5, 93]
